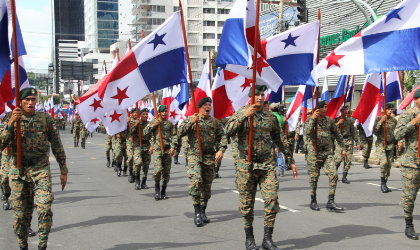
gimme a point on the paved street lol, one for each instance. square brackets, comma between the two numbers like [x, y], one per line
[98, 210]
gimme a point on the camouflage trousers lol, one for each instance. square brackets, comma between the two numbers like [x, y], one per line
[314, 164]
[366, 148]
[201, 175]
[76, 136]
[162, 165]
[4, 178]
[108, 147]
[340, 158]
[26, 195]
[119, 154]
[410, 187]
[291, 144]
[246, 183]
[130, 156]
[141, 161]
[385, 161]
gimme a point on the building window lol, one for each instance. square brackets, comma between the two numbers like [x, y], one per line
[176, 8]
[107, 15]
[107, 6]
[209, 23]
[220, 23]
[209, 36]
[226, 0]
[158, 8]
[209, 10]
[222, 11]
[207, 48]
[219, 36]
[107, 25]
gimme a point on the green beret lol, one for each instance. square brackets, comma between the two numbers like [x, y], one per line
[27, 92]
[133, 110]
[322, 104]
[144, 110]
[389, 106]
[204, 101]
[416, 94]
[345, 107]
[162, 108]
[258, 90]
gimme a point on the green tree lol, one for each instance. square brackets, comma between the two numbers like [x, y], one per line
[410, 77]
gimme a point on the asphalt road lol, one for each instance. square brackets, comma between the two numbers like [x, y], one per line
[99, 210]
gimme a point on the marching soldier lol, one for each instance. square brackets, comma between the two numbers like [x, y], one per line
[119, 152]
[76, 125]
[84, 133]
[261, 171]
[108, 147]
[366, 143]
[320, 153]
[31, 185]
[163, 159]
[385, 153]
[130, 144]
[178, 148]
[407, 130]
[201, 169]
[143, 151]
[348, 131]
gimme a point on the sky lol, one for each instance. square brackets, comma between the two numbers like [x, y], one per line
[35, 20]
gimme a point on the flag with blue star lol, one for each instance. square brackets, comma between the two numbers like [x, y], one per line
[158, 39]
[290, 40]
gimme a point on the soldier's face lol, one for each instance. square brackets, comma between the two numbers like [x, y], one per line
[144, 116]
[28, 104]
[163, 114]
[417, 102]
[259, 99]
[134, 115]
[344, 112]
[323, 110]
[389, 112]
[205, 109]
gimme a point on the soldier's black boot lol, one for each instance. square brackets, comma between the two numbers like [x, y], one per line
[137, 186]
[337, 166]
[344, 180]
[131, 176]
[31, 232]
[6, 205]
[157, 191]
[331, 206]
[42, 247]
[366, 164]
[108, 163]
[3, 197]
[217, 175]
[163, 192]
[125, 170]
[75, 145]
[384, 187]
[114, 165]
[176, 160]
[23, 248]
[409, 229]
[143, 183]
[314, 204]
[119, 169]
[203, 215]
[198, 221]
[249, 239]
[268, 243]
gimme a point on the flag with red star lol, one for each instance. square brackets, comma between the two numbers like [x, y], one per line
[222, 105]
[115, 121]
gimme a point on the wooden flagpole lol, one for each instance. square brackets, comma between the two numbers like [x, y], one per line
[159, 128]
[192, 89]
[384, 125]
[317, 89]
[254, 78]
[17, 85]
[345, 100]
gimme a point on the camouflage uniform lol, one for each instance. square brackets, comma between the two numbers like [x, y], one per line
[185, 146]
[84, 133]
[76, 125]
[178, 147]
[262, 170]
[119, 152]
[130, 148]
[348, 131]
[31, 186]
[323, 157]
[365, 142]
[4, 178]
[142, 156]
[385, 154]
[108, 147]
[200, 170]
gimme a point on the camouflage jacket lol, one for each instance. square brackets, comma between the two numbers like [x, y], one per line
[266, 132]
[409, 133]
[347, 130]
[327, 132]
[38, 133]
[378, 130]
[76, 124]
[213, 138]
[362, 135]
[118, 140]
[134, 132]
[169, 137]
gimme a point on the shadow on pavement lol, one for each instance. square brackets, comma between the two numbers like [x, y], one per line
[77, 198]
[106, 220]
[160, 245]
[217, 216]
[333, 234]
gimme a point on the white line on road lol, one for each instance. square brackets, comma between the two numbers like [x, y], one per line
[374, 184]
[281, 206]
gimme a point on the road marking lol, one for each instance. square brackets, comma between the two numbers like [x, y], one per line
[93, 158]
[281, 206]
[374, 184]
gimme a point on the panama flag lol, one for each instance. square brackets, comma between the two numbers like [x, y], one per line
[222, 105]
[325, 96]
[90, 106]
[278, 96]
[6, 93]
[391, 43]
[393, 87]
[350, 90]
[115, 121]
[157, 62]
[203, 88]
[235, 51]
[93, 124]
[237, 88]
[370, 103]
[180, 95]
[338, 99]
[293, 54]
[303, 93]
[408, 99]
[167, 98]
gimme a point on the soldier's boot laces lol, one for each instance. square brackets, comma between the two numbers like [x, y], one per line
[131, 176]
[143, 183]
[137, 185]
[409, 229]
[344, 180]
[31, 232]
[203, 215]
[163, 193]
[157, 191]
[198, 220]
[119, 170]
[314, 204]
[366, 165]
[176, 160]
[249, 239]
[384, 187]
[331, 206]
[268, 243]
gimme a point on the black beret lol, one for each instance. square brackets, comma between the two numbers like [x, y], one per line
[27, 92]
[162, 108]
[345, 107]
[389, 106]
[144, 110]
[133, 110]
[258, 90]
[322, 104]
[204, 101]
[416, 94]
